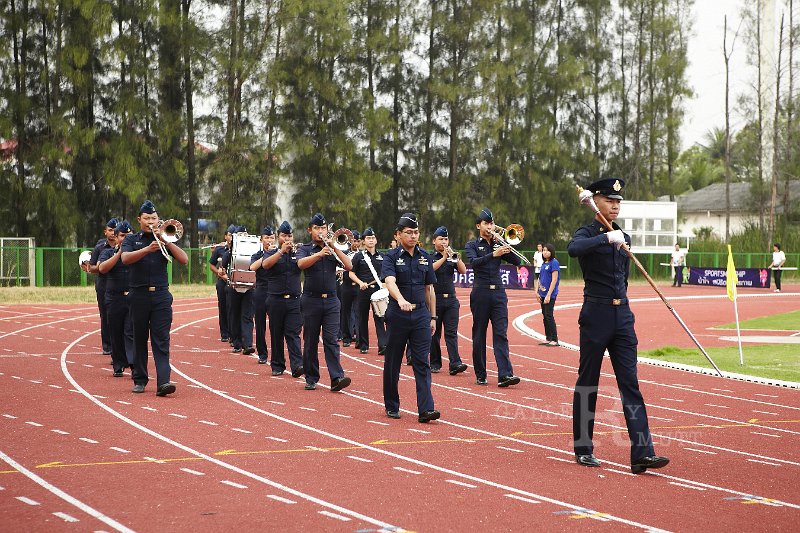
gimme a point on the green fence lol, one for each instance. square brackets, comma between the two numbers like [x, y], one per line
[58, 267]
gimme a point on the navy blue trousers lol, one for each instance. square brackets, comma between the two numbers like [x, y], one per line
[609, 327]
[122, 349]
[260, 317]
[151, 316]
[320, 314]
[447, 310]
[105, 331]
[240, 317]
[364, 310]
[222, 307]
[349, 317]
[414, 328]
[490, 305]
[285, 322]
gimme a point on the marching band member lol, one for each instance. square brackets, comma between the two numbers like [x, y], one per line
[320, 305]
[283, 302]
[215, 264]
[447, 305]
[409, 278]
[349, 296]
[116, 301]
[260, 293]
[606, 322]
[150, 299]
[488, 301]
[240, 311]
[106, 243]
[366, 279]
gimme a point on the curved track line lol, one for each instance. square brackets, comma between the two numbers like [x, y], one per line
[208, 458]
[64, 496]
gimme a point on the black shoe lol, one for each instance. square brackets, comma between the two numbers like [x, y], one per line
[138, 388]
[435, 369]
[427, 416]
[393, 414]
[297, 372]
[106, 352]
[248, 351]
[346, 344]
[277, 372]
[481, 381]
[640, 466]
[262, 361]
[310, 386]
[508, 381]
[225, 339]
[381, 350]
[587, 460]
[364, 350]
[166, 388]
[118, 373]
[340, 383]
[236, 350]
[458, 369]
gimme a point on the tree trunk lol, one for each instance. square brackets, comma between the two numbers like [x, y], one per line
[194, 208]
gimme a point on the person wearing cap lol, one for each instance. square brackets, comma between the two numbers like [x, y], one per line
[149, 298]
[240, 310]
[348, 294]
[283, 302]
[366, 274]
[260, 292]
[108, 242]
[606, 322]
[410, 319]
[447, 305]
[116, 301]
[321, 307]
[488, 300]
[218, 256]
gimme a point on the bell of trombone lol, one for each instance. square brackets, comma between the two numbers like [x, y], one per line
[514, 234]
[342, 238]
[171, 230]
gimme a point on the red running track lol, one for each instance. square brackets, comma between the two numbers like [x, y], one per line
[238, 448]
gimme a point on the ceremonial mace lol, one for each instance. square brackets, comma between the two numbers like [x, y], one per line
[587, 198]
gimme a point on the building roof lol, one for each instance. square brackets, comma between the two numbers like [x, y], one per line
[712, 198]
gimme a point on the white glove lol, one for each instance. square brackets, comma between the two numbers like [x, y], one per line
[616, 237]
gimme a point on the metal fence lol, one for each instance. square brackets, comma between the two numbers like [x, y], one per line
[58, 267]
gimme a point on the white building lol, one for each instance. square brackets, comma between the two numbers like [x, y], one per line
[651, 225]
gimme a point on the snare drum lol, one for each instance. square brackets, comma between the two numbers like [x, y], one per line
[379, 301]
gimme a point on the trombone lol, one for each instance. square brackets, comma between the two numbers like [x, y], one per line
[342, 238]
[171, 231]
[207, 246]
[511, 236]
[452, 255]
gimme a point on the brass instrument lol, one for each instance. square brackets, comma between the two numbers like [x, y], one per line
[510, 236]
[452, 255]
[207, 246]
[171, 231]
[343, 238]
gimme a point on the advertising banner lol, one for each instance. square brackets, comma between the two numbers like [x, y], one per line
[514, 277]
[758, 278]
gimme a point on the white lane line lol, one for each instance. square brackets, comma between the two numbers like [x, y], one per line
[208, 423]
[765, 412]
[241, 430]
[461, 409]
[503, 416]
[356, 458]
[12, 417]
[559, 459]
[766, 395]
[276, 402]
[415, 430]
[60, 432]
[341, 415]
[334, 515]
[90, 441]
[176, 415]
[461, 483]
[619, 472]
[277, 439]
[154, 460]
[700, 451]
[65, 517]
[544, 423]
[533, 399]
[123, 402]
[672, 400]
[521, 498]
[407, 470]
[765, 434]
[120, 450]
[27, 500]
[281, 499]
[151, 409]
[63, 495]
[233, 484]
[658, 418]
[686, 485]
[715, 405]
[722, 390]
[510, 449]
[378, 423]
[307, 408]
[193, 472]
[35, 424]
[763, 462]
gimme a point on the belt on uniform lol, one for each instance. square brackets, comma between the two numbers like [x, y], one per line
[445, 295]
[319, 294]
[490, 287]
[150, 289]
[353, 283]
[606, 301]
[285, 296]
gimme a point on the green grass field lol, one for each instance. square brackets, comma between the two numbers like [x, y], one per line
[85, 295]
[787, 321]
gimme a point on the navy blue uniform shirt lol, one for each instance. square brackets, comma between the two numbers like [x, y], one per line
[262, 276]
[117, 277]
[321, 276]
[444, 276]
[99, 247]
[605, 268]
[411, 273]
[149, 271]
[284, 276]
[362, 270]
[486, 267]
[218, 253]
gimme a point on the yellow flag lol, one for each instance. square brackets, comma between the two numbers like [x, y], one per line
[731, 277]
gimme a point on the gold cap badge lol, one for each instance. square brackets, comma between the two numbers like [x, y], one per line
[617, 187]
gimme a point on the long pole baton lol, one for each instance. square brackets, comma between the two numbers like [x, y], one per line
[587, 198]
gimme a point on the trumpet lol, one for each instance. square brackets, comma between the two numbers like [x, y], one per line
[511, 236]
[171, 231]
[207, 246]
[452, 255]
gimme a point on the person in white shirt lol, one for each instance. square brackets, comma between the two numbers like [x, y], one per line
[677, 261]
[538, 260]
[778, 259]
